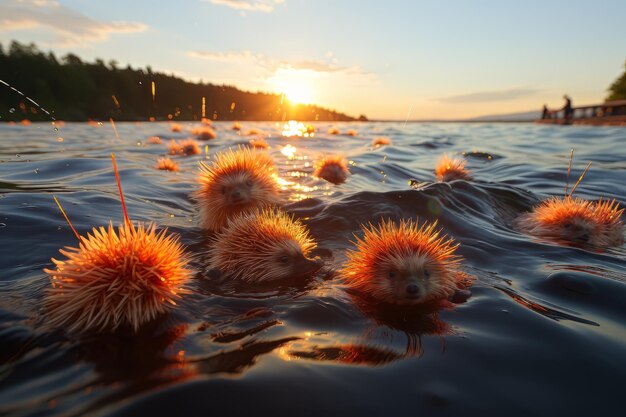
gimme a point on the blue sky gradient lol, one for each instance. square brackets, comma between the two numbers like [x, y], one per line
[432, 59]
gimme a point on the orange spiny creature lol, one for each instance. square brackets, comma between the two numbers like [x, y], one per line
[175, 127]
[166, 164]
[204, 132]
[332, 168]
[334, 131]
[264, 245]
[253, 132]
[116, 278]
[381, 141]
[260, 143]
[450, 169]
[184, 147]
[351, 132]
[576, 220]
[236, 182]
[154, 140]
[404, 264]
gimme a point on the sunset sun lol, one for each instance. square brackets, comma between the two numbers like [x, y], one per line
[298, 86]
[300, 93]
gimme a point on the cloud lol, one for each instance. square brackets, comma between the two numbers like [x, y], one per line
[271, 65]
[71, 28]
[487, 96]
[249, 5]
[223, 56]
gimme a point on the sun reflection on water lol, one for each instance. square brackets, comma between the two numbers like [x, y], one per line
[299, 129]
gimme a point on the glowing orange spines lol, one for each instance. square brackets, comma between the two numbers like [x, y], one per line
[250, 247]
[166, 164]
[449, 169]
[332, 168]
[244, 167]
[392, 243]
[259, 143]
[381, 141]
[184, 147]
[204, 132]
[576, 220]
[154, 140]
[122, 277]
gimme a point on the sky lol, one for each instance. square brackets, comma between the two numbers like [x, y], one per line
[393, 59]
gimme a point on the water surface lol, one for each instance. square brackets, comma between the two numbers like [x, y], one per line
[542, 334]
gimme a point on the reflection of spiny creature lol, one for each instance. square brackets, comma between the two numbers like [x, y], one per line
[575, 220]
[450, 169]
[116, 278]
[404, 264]
[236, 182]
[332, 168]
[263, 246]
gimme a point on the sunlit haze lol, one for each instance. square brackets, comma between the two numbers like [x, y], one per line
[387, 60]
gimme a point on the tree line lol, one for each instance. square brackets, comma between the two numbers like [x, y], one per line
[617, 90]
[74, 90]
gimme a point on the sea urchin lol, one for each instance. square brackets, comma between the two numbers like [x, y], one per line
[236, 182]
[332, 168]
[265, 245]
[576, 220]
[404, 263]
[116, 278]
[450, 169]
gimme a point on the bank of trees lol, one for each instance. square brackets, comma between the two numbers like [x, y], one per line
[74, 90]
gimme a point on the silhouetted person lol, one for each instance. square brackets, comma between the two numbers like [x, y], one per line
[545, 112]
[568, 112]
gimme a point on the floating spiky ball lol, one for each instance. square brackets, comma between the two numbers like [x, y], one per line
[450, 169]
[175, 127]
[332, 168]
[351, 132]
[253, 132]
[259, 143]
[404, 263]
[381, 141]
[123, 277]
[166, 164]
[184, 147]
[577, 221]
[236, 182]
[333, 131]
[154, 140]
[236, 126]
[204, 132]
[264, 245]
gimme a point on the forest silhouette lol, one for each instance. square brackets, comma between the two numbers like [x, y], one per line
[74, 90]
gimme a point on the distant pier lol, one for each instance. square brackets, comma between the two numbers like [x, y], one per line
[610, 113]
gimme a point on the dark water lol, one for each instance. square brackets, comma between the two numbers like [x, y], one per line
[543, 332]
